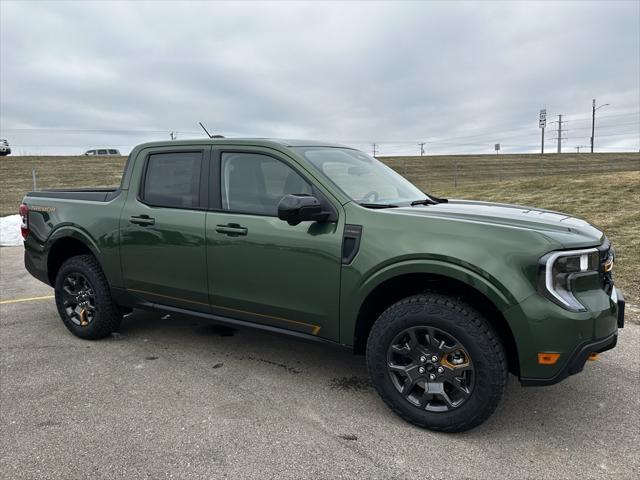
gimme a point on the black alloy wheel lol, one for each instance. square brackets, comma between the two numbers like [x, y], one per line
[78, 299]
[430, 369]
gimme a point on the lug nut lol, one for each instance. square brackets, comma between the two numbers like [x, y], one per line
[432, 377]
[434, 358]
[440, 369]
[421, 370]
[423, 359]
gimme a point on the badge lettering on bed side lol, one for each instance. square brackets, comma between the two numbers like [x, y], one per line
[40, 208]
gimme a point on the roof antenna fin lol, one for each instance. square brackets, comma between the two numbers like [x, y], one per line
[208, 134]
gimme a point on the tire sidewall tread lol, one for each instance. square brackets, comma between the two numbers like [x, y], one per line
[466, 324]
[108, 315]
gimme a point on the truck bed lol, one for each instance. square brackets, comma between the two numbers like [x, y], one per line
[93, 194]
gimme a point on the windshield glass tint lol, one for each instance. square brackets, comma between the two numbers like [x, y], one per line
[363, 178]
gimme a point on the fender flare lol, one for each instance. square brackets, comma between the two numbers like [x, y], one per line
[71, 231]
[484, 283]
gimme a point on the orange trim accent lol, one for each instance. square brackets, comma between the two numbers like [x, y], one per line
[315, 329]
[444, 361]
[593, 356]
[546, 358]
[167, 296]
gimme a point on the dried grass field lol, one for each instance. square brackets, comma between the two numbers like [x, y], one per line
[603, 189]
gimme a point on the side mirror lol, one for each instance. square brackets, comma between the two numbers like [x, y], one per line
[294, 209]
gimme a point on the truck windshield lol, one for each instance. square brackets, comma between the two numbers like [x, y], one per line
[360, 176]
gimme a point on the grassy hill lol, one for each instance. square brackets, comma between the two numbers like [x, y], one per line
[54, 172]
[609, 201]
[456, 170]
[566, 182]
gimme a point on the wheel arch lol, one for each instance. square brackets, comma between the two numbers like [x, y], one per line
[64, 244]
[477, 292]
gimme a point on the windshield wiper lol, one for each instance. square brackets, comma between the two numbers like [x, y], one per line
[429, 201]
[378, 205]
[426, 201]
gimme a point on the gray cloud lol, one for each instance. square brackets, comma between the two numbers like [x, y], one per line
[458, 75]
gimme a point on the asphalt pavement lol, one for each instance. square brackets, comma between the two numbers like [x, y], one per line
[182, 398]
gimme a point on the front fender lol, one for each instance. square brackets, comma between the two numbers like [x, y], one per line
[355, 290]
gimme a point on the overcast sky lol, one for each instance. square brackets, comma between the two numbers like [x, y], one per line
[460, 76]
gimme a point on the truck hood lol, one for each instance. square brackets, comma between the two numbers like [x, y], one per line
[569, 231]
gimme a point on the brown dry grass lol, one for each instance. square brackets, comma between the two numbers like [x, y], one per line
[54, 172]
[608, 200]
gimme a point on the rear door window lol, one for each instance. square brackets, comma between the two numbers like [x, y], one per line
[113, 152]
[173, 180]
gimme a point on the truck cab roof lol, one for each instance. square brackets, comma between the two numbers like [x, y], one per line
[261, 142]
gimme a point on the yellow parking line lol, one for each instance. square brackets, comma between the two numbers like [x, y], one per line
[18, 300]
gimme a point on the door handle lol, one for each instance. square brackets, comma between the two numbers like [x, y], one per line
[232, 229]
[142, 220]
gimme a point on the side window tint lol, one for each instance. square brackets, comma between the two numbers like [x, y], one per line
[254, 183]
[173, 179]
[102, 152]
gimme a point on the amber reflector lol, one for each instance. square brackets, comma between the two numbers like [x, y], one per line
[548, 358]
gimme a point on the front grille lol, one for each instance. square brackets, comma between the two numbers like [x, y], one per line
[606, 254]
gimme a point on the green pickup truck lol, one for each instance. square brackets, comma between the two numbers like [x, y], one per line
[321, 241]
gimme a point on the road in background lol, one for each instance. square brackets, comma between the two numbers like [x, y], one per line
[182, 398]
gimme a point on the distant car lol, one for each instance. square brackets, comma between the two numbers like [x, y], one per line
[103, 151]
[4, 147]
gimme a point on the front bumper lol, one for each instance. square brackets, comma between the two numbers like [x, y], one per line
[576, 362]
[541, 326]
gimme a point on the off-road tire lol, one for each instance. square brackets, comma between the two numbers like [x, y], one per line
[108, 315]
[452, 316]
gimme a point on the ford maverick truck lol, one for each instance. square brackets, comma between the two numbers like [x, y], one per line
[321, 241]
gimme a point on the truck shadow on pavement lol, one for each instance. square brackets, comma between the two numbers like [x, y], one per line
[586, 403]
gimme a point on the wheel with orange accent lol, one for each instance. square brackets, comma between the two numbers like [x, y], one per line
[84, 300]
[437, 362]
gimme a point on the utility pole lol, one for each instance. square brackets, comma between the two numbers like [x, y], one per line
[421, 148]
[560, 122]
[375, 149]
[593, 119]
[559, 133]
[542, 123]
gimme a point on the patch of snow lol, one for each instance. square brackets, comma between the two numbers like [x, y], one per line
[10, 231]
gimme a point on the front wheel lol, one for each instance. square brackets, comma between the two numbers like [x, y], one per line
[437, 362]
[84, 300]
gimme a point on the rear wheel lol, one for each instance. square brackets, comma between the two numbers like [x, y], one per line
[437, 362]
[84, 300]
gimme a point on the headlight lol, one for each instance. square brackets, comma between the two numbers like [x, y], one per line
[557, 270]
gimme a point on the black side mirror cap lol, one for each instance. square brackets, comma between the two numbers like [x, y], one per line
[295, 209]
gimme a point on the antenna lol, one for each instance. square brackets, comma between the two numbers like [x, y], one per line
[205, 130]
